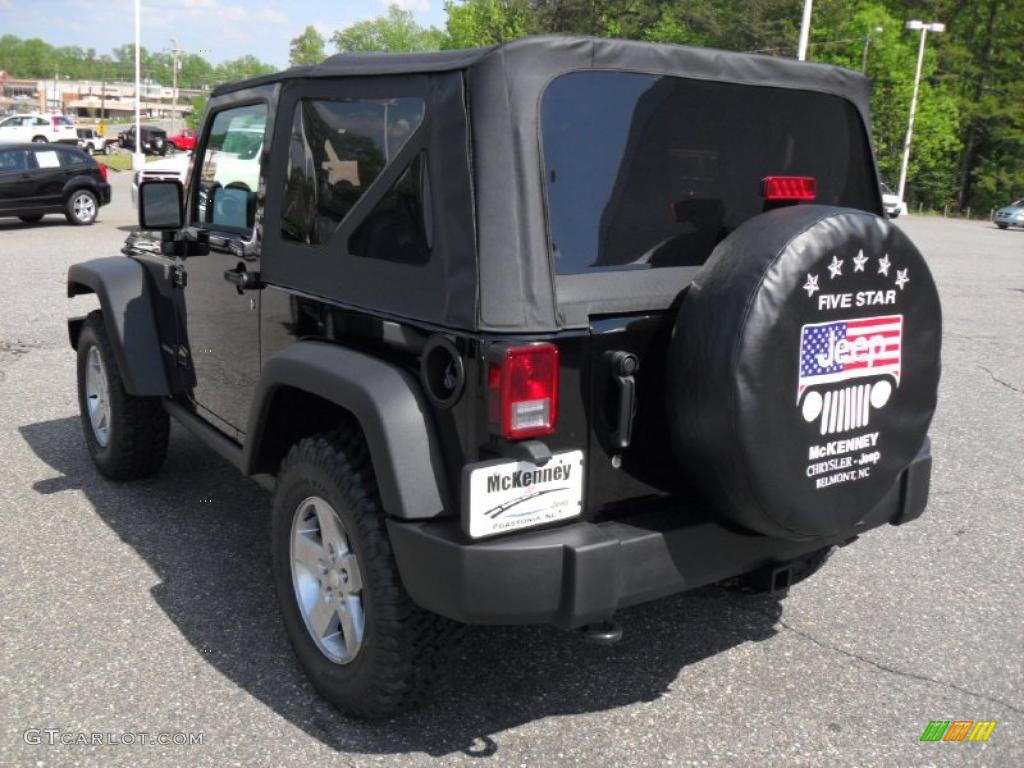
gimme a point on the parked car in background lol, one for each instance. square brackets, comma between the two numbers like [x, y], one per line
[184, 141]
[39, 128]
[1011, 215]
[154, 140]
[173, 168]
[92, 142]
[891, 202]
[36, 180]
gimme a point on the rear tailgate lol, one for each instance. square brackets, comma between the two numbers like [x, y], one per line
[645, 175]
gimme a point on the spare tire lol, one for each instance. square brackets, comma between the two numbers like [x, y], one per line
[803, 369]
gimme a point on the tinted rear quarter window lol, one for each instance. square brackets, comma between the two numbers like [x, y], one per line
[646, 171]
[336, 150]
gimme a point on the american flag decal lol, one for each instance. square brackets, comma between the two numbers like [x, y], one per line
[849, 349]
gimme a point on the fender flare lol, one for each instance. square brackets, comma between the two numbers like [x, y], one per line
[126, 300]
[389, 406]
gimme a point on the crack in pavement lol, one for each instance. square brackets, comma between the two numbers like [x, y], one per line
[997, 380]
[893, 670]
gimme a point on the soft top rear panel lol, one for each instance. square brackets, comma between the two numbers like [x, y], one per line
[504, 87]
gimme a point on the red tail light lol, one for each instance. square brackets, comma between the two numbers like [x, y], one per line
[523, 390]
[789, 187]
[103, 171]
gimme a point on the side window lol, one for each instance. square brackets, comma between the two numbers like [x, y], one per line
[336, 150]
[230, 172]
[13, 160]
[72, 159]
[396, 230]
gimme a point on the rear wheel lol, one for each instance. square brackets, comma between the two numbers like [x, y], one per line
[32, 219]
[125, 435]
[1002, 226]
[39, 140]
[365, 646]
[81, 207]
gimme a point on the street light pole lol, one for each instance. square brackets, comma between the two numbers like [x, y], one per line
[915, 25]
[864, 58]
[805, 31]
[138, 159]
[175, 51]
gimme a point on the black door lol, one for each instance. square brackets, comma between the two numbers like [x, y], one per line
[15, 182]
[48, 177]
[221, 317]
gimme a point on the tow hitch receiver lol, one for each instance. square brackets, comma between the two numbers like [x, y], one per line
[606, 633]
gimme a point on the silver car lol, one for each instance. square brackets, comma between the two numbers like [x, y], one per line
[1011, 215]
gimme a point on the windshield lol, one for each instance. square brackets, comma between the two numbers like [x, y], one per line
[648, 171]
[885, 189]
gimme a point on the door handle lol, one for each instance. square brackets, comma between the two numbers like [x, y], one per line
[243, 279]
[623, 365]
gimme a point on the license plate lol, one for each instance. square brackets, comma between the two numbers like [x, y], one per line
[502, 496]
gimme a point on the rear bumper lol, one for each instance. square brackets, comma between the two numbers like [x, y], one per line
[582, 573]
[104, 192]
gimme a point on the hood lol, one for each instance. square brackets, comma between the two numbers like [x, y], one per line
[1016, 207]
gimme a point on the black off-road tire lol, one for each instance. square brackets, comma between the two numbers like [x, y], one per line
[402, 647]
[139, 426]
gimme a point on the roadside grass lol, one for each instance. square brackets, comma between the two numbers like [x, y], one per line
[122, 161]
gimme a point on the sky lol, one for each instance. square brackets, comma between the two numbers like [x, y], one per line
[216, 29]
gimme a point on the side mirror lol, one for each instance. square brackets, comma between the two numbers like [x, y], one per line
[160, 204]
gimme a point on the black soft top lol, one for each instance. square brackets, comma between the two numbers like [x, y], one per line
[532, 56]
[495, 272]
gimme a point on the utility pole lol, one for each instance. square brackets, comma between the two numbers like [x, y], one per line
[103, 88]
[805, 31]
[925, 28]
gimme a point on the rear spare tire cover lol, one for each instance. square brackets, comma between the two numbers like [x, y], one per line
[803, 369]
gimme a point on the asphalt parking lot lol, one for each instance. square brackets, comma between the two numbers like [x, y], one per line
[139, 608]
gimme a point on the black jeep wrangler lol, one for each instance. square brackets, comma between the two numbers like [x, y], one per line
[523, 335]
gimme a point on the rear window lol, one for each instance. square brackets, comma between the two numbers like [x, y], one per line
[646, 171]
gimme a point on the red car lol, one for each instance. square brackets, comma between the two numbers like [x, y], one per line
[184, 141]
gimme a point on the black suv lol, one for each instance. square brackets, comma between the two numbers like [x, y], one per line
[153, 141]
[523, 335]
[37, 179]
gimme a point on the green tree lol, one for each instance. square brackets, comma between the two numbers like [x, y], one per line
[241, 68]
[195, 117]
[307, 48]
[395, 32]
[478, 23]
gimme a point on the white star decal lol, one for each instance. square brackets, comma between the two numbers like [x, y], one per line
[835, 268]
[811, 285]
[859, 261]
[883, 265]
[901, 277]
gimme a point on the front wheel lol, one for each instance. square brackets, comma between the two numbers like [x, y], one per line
[40, 140]
[360, 639]
[125, 435]
[81, 207]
